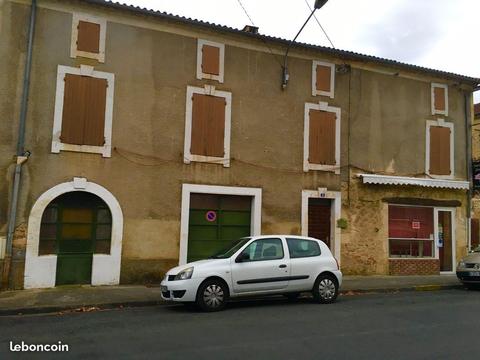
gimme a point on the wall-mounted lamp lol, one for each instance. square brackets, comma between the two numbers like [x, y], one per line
[318, 4]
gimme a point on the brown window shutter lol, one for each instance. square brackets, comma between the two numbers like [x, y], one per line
[323, 78]
[440, 150]
[322, 141]
[95, 100]
[439, 98]
[73, 110]
[199, 118]
[475, 233]
[208, 125]
[210, 60]
[88, 37]
[216, 127]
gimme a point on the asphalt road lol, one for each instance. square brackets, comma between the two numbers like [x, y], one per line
[408, 325]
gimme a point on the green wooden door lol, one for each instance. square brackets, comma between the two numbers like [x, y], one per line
[215, 221]
[75, 245]
[74, 227]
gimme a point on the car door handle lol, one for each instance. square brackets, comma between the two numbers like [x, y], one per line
[283, 266]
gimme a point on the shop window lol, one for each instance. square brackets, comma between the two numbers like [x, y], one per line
[323, 78]
[322, 138]
[210, 60]
[439, 160]
[207, 136]
[88, 37]
[83, 111]
[439, 95]
[410, 232]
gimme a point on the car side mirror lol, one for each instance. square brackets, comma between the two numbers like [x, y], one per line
[242, 257]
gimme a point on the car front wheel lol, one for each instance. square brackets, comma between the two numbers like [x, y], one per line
[325, 290]
[212, 295]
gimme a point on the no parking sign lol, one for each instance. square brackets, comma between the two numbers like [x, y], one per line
[211, 216]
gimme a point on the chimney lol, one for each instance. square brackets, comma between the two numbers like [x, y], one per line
[250, 29]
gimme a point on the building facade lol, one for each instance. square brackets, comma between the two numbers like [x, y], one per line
[155, 140]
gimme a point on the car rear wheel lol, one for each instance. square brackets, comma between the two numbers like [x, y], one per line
[212, 295]
[325, 290]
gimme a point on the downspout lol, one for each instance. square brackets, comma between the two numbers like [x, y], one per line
[468, 144]
[21, 155]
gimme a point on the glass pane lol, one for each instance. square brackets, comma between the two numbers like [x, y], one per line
[104, 216]
[77, 215]
[410, 222]
[302, 248]
[76, 231]
[204, 201]
[411, 248]
[46, 247]
[265, 249]
[104, 231]
[48, 231]
[236, 202]
[49, 215]
[102, 247]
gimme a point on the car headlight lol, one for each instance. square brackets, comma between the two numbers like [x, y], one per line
[461, 264]
[184, 274]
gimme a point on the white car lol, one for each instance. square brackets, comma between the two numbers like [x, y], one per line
[259, 265]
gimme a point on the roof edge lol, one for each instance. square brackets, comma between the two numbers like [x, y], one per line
[344, 54]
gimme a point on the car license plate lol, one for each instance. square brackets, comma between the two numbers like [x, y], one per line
[475, 273]
[163, 288]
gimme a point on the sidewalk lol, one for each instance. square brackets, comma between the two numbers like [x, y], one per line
[91, 298]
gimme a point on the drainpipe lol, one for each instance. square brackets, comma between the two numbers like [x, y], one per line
[468, 144]
[21, 155]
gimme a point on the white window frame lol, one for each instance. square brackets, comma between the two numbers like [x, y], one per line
[221, 70]
[187, 189]
[454, 240]
[83, 70]
[323, 106]
[432, 90]
[316, 92]
[442, 123]
[336, 209]
[207, 90]
[77, 17]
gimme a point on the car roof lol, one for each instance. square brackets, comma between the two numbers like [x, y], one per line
[282, 235]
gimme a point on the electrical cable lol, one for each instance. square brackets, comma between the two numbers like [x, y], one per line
[321, 27]
[261, 38]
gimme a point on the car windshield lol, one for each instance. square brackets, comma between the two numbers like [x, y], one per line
[230, 249]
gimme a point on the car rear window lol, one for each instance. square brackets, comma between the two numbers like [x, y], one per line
[300, 248]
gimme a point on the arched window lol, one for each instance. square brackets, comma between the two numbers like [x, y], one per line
[76, 223]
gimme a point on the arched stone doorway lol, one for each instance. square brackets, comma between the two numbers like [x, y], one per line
[74, 237]
[74, 226]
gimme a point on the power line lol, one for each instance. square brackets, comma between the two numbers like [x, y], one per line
[261, 37]
[321, 27]
[246, 13]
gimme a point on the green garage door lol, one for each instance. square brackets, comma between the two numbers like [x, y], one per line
[215, 221]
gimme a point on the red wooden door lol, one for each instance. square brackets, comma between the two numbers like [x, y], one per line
[319, 219]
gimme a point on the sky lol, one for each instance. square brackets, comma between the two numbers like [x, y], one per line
[437, 34]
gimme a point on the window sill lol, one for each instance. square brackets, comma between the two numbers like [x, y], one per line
[332, 168]
[207, 159]
[58, 146]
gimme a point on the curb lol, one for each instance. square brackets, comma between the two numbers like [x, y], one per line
[402, 289]
[78, 308]
[132, 304]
